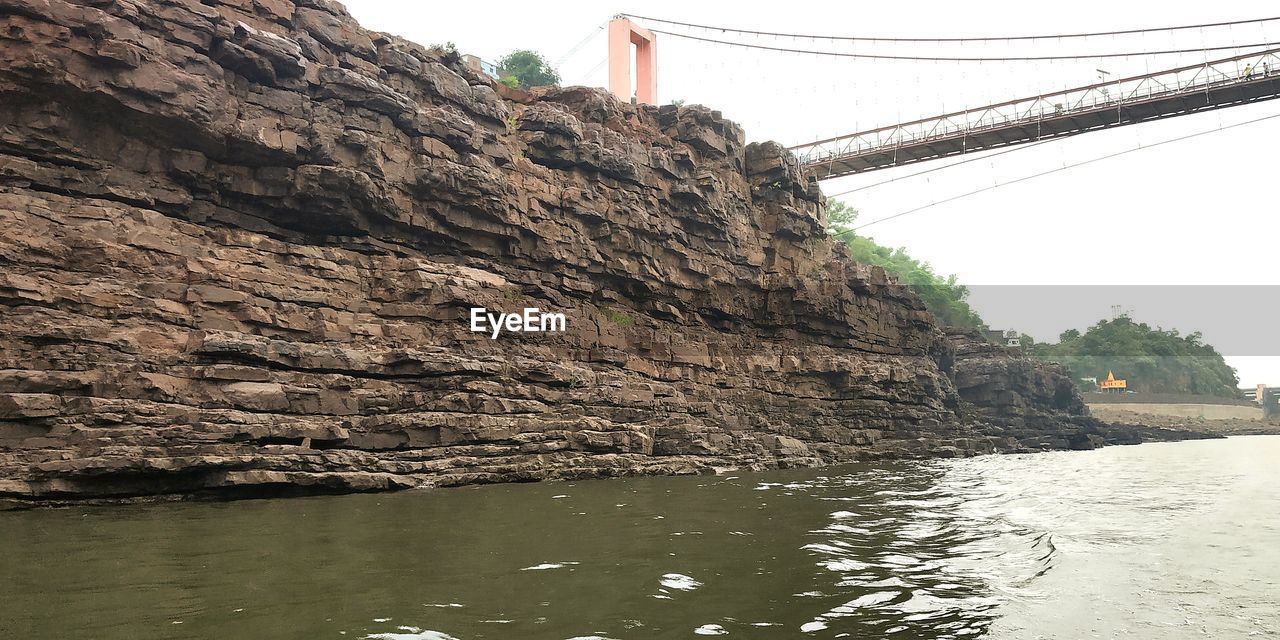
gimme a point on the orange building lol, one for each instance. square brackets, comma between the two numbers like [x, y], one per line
[1112, 385]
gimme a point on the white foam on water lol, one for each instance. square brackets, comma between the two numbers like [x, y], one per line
[679, 581]
[845, 565]
[549, 565]
[412, 633]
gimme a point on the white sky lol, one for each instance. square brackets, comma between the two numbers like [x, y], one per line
[1199, 212]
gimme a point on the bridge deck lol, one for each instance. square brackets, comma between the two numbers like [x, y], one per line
[1212, 85]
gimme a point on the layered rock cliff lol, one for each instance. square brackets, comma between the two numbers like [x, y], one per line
[240, 241]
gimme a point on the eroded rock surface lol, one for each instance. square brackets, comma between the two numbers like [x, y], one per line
[240, 239]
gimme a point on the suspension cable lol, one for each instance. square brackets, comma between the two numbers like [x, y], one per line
[877, 56]
[969, 39]
[568, 54]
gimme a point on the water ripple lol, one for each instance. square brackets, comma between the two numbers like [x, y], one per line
[1157, 541]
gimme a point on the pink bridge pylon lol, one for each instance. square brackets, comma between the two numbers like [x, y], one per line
[622, 34]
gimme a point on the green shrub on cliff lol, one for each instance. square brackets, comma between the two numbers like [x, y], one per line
[620, 318]
[943, 296]
[524, 68]
[447, 51]
[1151, 359]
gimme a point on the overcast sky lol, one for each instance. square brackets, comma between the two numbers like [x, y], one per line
[1198, 212]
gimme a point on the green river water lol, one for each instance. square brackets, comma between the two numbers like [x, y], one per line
[1153, 541]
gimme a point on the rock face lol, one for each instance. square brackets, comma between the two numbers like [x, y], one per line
[240, 241]
[1024, 405]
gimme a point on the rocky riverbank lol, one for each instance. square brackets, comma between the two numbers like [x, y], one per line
[1225, 426]
[240, 241]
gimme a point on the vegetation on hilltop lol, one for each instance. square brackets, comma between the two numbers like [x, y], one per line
[1150, 359]
[942, 295]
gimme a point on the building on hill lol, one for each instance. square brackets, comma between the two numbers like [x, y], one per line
[1006, 337]
[1112, 385]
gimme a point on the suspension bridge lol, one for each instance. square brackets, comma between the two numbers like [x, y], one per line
[1213, 84]
[1190, 89]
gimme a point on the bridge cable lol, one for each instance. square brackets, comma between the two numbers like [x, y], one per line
[878, 56]
[968, 39]
[569, 54]
[595, 68]
[1051, 171]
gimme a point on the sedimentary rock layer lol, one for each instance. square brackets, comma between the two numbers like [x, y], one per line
[240, 240]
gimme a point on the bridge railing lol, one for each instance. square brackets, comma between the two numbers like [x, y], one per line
[1037, 109]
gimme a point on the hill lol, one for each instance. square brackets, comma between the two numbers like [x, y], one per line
[1150, 358]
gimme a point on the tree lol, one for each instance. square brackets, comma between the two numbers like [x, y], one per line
[524, 68]
[945, 297]
[840, 216]
[1150, 358]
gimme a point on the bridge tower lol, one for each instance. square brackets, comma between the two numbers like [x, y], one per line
[622, 34]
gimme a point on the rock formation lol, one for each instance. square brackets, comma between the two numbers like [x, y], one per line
[240, 241]
[1030, 405]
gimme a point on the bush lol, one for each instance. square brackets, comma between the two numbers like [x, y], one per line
[619, 318]
[943, 296]
[526, 69]
[1150, 358]
[447, 51]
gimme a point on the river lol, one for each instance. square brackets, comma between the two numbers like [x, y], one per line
[1152, 541]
